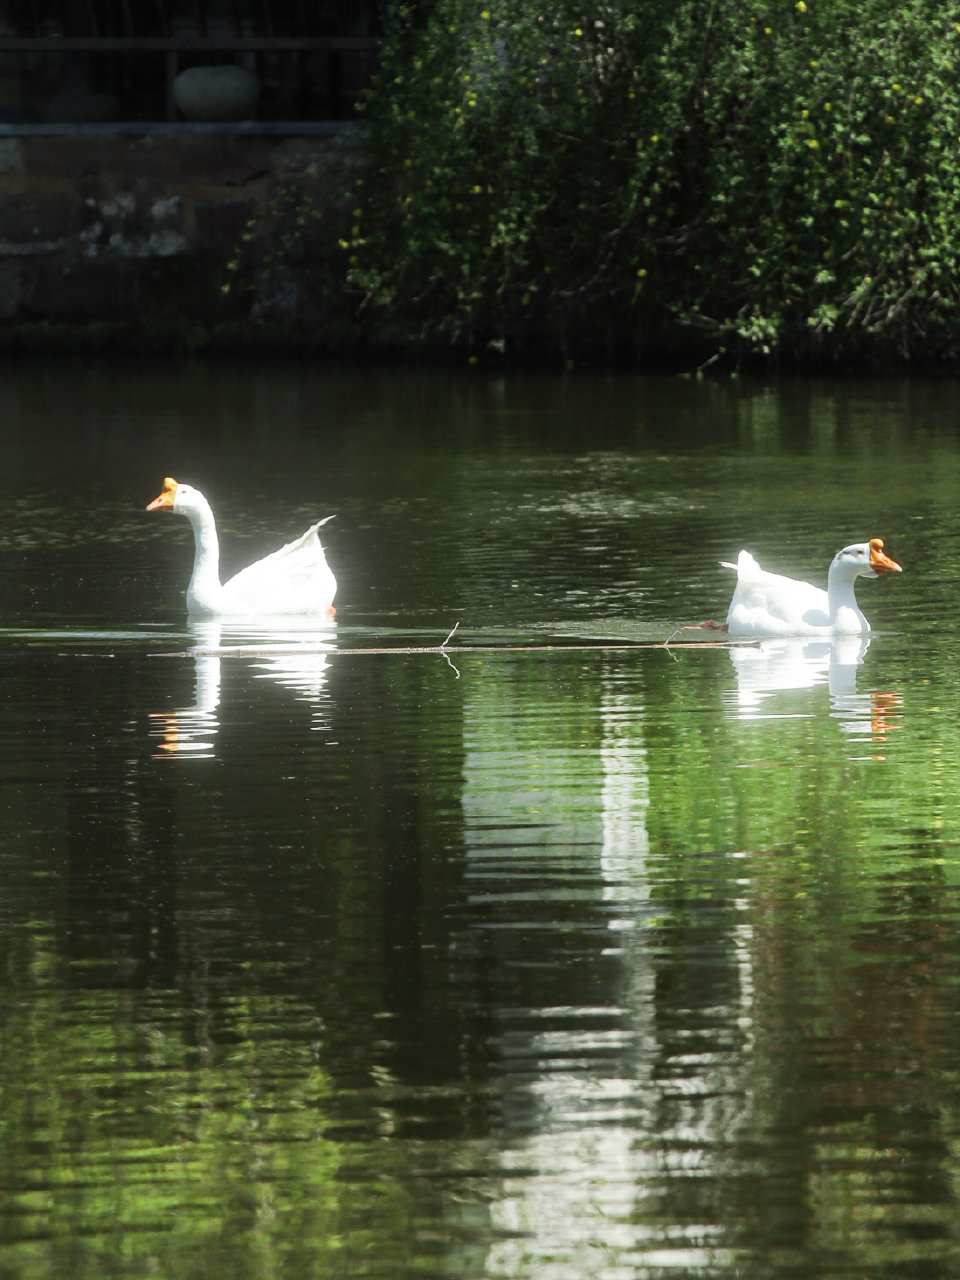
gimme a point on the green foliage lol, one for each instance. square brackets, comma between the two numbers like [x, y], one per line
[286, 253]
[597, 178]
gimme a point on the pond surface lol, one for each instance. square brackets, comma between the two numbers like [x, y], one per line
[546, 950]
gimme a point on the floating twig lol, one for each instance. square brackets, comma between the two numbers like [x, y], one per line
[594, 646]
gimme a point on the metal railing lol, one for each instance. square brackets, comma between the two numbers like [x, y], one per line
[120, 57]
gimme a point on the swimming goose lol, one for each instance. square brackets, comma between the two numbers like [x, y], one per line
[768, 604]
[294, 580]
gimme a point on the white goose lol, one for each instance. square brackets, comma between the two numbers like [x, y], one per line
[767, 604]
[295, 579]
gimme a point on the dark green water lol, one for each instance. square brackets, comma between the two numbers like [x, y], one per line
[559, 954]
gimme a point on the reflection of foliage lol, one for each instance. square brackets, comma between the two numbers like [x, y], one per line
[778, 179]
[203, 1156]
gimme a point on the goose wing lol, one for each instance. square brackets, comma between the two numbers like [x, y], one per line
[294, 579]
[770, 603]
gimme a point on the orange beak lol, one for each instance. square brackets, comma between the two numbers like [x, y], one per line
[879, 562]
[164, 500]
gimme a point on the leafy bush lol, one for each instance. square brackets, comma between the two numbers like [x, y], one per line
[600, 179]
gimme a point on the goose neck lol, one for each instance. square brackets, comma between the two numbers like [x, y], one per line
[204, 589]
[841, 596]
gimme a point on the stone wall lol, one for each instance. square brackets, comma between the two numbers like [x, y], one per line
[106, 224]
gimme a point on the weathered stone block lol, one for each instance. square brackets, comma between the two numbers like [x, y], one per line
[76, 157]
[230, 161]
[96, 289]
[61, 158]
[138, 159]
[11, 292]
[315, 155]
[11, 155]
[221, 223]
[155, 159]
[36, 222]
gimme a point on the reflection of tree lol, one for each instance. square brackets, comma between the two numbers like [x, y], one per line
[569, 924]
[844, 970]
[244, 934]
[850, 1068]
[120, 913]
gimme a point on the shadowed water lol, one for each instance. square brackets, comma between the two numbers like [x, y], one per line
[546, 948]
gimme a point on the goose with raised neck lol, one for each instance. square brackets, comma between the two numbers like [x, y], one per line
[770, 604]
[296, 579]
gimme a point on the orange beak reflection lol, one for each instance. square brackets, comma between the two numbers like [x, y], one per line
[879, 562]
[164, 500]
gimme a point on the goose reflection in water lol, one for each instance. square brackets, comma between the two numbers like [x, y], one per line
[293, 653]
[776, 666]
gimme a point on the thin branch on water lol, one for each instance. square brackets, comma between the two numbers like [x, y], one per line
[618, 646]
[443, 649]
